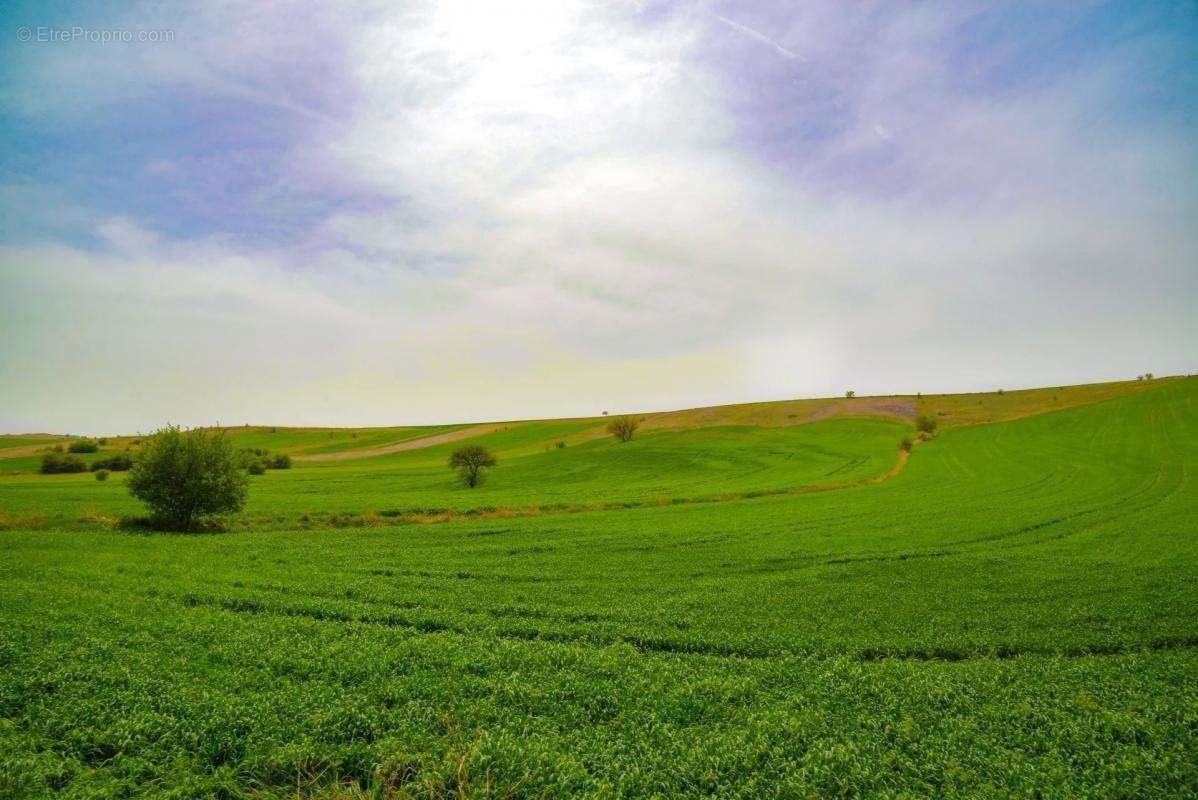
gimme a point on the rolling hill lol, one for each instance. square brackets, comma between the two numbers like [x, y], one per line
[730, 605]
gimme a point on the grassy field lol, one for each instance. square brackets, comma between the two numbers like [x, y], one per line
[534, 473]
[1014, 613]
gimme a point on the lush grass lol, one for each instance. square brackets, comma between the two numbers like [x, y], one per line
[1012, 615]
[532, 472]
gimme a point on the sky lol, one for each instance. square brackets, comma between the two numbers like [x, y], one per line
[390, 213]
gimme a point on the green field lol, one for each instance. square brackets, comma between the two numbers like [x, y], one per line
[1013, 614]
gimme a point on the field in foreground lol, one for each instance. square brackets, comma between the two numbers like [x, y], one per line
[1015, 613]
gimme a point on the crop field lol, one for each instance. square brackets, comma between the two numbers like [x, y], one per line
[716, 608]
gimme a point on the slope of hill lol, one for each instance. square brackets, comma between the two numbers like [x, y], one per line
[1013, 614]
[22, 453]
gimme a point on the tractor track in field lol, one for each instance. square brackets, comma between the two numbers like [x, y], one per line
[658, 644]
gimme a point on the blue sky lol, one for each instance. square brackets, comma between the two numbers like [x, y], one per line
[418, 212]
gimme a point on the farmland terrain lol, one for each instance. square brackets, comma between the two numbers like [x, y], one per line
[764, 600]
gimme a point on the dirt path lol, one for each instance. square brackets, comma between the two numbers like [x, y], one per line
[410, 444]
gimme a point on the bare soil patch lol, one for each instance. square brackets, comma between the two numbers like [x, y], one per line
[410, 444]
[900, 407]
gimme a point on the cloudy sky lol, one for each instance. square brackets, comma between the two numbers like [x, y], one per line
[400, 212]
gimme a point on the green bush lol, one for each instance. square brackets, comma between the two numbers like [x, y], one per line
[185, 475]
[257, 460]
[114, 463]
[54, 463]
[906, 444]
[84, 446]
[101, 474]
[925, 424]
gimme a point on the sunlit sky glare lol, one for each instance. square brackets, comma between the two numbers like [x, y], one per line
[389, 213]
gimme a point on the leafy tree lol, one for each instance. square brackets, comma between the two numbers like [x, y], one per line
[850, 393]
[906, 444]
[469, 462]
[623, 427]
[925, 424]
[184, 475]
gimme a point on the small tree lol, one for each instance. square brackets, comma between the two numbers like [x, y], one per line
[906, 444]
[184, 475]
[925, 424]
[850, 393]
[469, 462]
[623, 427]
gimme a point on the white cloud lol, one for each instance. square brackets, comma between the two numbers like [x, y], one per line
[575, 229]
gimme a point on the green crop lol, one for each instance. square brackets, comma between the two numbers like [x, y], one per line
[1013, 614]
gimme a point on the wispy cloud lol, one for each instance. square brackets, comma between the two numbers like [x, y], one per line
[758, 35]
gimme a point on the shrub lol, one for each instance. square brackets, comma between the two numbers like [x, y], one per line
[850, 393]
[623, 427]
[101, 474]
[103, 440]
[184, 475]
[560, 445]
[83, 446]
[469, 462]
[53, 463]
[257, 460]
[906, 444]
[925, 424]
[114, 463]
